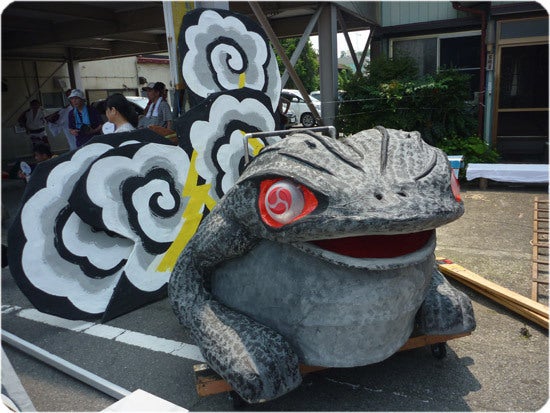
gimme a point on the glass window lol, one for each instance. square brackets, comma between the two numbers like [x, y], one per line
[424, 51]
[460, 52]
[524, 28]
[52, 100]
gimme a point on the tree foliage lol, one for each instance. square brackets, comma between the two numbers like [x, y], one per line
[307, 66]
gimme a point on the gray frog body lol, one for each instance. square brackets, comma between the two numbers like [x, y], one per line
[344, 283]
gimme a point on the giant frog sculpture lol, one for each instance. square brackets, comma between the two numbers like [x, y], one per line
[323, 254]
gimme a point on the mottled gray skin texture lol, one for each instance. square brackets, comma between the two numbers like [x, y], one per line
[376, 182]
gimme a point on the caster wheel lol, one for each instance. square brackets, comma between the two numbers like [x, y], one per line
[439, 350]
[238, 402]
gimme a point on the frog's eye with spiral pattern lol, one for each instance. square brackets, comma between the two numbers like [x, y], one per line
[282, 201]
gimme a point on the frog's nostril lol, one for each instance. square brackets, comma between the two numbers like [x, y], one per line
[378, 196]
[401, 193]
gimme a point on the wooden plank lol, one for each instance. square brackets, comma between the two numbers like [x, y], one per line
[540, 246]
[491, 289]
[529, 315]
[208, 382]
[534, 256]
[540, 281]
[421, 341]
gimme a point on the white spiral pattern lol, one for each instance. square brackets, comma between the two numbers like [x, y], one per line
[223, 54]
[206, 136]
[42, 263]
[68, 254]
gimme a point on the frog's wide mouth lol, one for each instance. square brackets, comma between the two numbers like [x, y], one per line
[374, 251]
[376, 246]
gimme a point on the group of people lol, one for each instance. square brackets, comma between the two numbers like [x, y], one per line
[80, 121]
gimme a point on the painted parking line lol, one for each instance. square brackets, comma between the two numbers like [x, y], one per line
[133, 338]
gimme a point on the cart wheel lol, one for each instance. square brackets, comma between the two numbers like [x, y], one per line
[439, 350]
[238, 402]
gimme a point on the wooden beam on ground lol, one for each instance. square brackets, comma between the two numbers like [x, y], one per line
[421, 341]
[208, 382]
[523, 306]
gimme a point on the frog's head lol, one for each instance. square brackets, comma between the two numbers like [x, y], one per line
[379, 193]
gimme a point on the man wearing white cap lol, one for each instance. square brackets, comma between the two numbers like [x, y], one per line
[84, 120]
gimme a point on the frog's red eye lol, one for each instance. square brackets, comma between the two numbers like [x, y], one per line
[455, 187]
[282, 201]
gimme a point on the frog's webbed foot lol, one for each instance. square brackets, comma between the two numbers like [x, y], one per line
[256, 361]
[445, 309]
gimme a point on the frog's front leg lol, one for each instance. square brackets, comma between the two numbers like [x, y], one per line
[255, 360]
[445, 309]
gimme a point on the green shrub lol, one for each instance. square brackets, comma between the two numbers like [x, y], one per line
[393, 96]
[474, 150]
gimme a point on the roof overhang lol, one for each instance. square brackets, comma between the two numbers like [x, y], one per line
[85, 30]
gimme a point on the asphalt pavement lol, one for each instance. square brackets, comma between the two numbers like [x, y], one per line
[502, 366]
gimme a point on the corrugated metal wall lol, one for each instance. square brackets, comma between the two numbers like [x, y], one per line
[396, 13]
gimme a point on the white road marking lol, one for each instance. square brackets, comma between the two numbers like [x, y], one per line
[153, 343]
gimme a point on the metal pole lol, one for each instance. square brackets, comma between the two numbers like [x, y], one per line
[301, 44]
[280, 51]
[66, 367]
[328, 63]
[31, 94]
[348, 41]
[367, 45]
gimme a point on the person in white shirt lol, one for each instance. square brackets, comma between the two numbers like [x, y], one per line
[34, 122]
[121, 113]
[61, 124]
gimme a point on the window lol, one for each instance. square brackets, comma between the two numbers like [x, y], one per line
[524, 28]
[462, 53]
[52, 100]
[424, 51]
[459, 51]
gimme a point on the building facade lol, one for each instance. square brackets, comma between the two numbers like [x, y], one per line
[502, 45]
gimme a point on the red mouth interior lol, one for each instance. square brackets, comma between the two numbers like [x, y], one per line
[376, 246]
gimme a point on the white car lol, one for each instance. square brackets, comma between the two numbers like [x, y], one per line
[317, 95]
[299, 106]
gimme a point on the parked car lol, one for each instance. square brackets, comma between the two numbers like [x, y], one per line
[317, 95]
[138, 102]
[299, 106]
